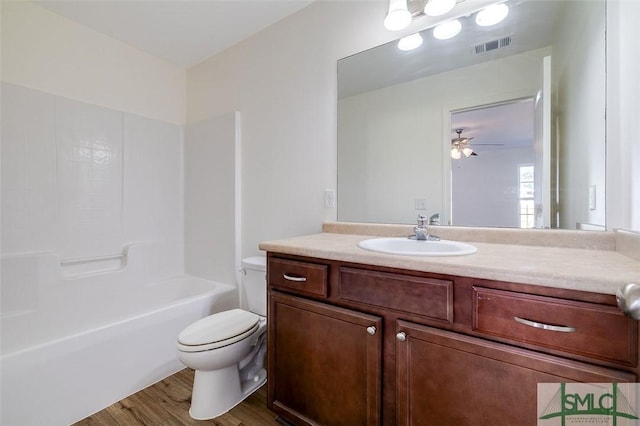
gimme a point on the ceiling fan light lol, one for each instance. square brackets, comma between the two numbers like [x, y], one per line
[492, 15]
[410, 42]
[455, 153]
[467, 151]
[438, 7]
[398, 17]
[447, 30]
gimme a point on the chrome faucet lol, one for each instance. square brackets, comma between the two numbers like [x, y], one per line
[422, 230]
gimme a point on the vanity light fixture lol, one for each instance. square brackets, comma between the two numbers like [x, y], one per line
[438, 7]
[492, 15]
[447, 30]
[410, 42]
[398, 17]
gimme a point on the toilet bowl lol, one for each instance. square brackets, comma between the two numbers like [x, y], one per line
[227, 349]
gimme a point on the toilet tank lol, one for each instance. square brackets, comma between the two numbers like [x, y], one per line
[254, 282]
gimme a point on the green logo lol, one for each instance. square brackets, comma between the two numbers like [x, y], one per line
[584, 403]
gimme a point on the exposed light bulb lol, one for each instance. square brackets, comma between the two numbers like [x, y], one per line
[410, 42]
[467, 151]
[398, 16]
[492, 15]
[455, 153]
[447, 30]
[438, 7]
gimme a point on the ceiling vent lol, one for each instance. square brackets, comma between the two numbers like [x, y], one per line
[493, 45]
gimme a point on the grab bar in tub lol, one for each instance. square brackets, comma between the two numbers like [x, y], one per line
[90, 265]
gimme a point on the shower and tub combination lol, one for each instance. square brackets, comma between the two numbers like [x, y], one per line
[111, 246]
[75, 341]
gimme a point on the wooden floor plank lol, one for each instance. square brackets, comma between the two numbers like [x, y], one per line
[167, 403]
[101, 418]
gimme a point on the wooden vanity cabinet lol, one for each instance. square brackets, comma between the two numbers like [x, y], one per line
[324, 361]
[446, 378]
[446, 351]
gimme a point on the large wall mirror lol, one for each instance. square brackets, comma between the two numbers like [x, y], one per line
[500, 126]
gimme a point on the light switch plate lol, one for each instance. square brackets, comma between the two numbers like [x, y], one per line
[420, 203]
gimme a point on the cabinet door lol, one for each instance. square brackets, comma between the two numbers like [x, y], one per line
[324, 363]
[450, 379]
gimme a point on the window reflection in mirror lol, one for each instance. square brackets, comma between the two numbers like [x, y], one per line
[396, 119]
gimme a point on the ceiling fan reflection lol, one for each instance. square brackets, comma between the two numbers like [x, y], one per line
[462, 146]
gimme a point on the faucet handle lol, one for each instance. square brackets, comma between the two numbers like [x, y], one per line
[422, 220]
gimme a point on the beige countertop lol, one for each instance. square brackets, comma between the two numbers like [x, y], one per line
[594, 270]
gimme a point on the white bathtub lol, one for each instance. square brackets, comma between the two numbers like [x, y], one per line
[74, 345]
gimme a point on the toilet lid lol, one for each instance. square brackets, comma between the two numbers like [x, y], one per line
[224, 327]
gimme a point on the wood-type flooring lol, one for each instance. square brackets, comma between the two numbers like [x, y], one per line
[167, 402]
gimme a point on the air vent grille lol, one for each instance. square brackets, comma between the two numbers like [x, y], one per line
[493, 45]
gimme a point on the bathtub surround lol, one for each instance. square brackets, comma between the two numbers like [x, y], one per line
[93, 285]
[82, 181]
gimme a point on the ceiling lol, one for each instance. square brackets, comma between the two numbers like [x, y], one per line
[530, 25]
[503, 126]
[183, 32]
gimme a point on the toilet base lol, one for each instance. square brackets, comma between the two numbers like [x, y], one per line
[216, 392]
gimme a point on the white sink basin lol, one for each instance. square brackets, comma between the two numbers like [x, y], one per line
[410, 247]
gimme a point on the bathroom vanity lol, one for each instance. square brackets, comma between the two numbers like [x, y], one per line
[357, 337]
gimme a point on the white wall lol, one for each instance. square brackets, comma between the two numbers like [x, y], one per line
[485, 188]
[379, 129]
[44, 51]
[579, 77]
[211, 212]
[623, 115]
[283, 81]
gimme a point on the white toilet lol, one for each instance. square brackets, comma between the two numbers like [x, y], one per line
[227, 349]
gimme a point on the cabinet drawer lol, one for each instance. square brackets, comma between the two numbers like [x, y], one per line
[585, 329]
[299, 277]
[428, 297]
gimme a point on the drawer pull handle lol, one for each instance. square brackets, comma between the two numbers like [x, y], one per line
[544, 326]
[402, 336]
[371, 330]
[297, 279]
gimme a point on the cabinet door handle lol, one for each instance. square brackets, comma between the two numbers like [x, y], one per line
[297, 279]
[544, 326]
[371, 330]
[402, 336]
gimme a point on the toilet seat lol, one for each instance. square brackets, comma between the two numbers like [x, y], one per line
[218, 330]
